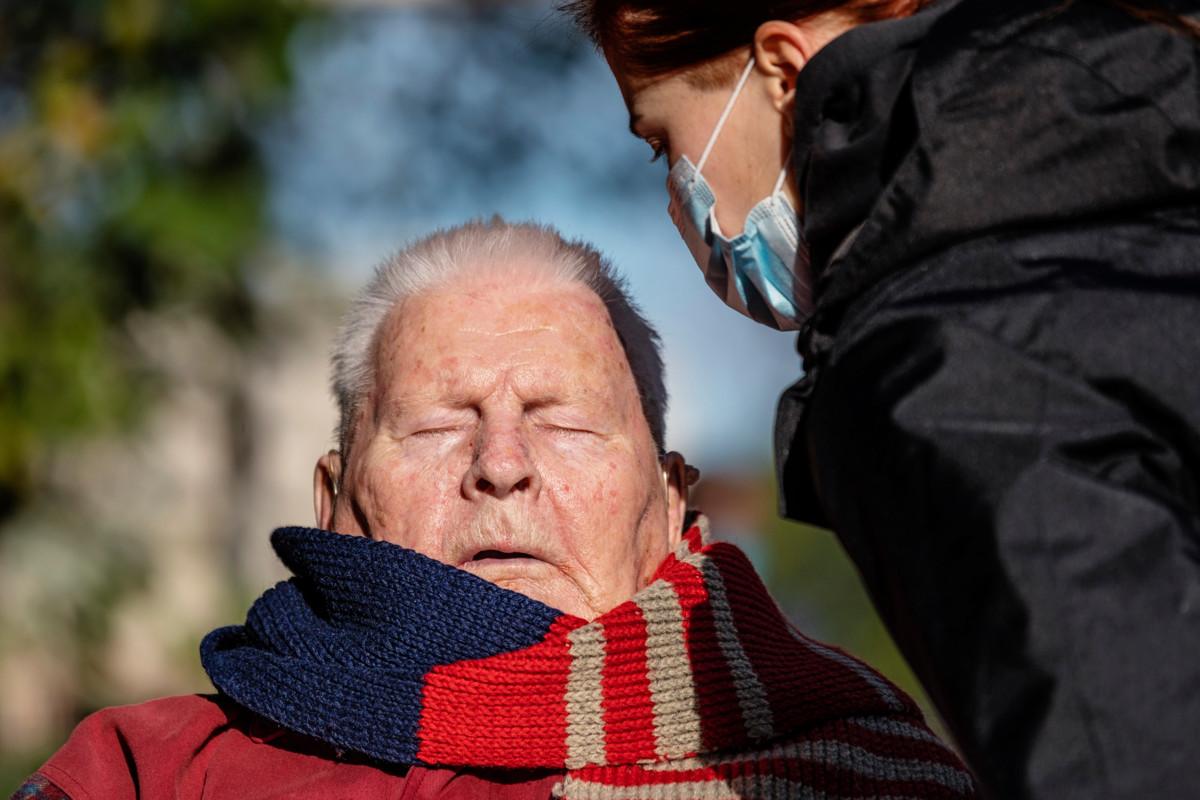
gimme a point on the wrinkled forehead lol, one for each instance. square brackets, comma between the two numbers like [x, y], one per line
[495, 306]
[550, 336]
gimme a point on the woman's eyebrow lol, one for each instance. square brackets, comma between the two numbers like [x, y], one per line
[634, 121]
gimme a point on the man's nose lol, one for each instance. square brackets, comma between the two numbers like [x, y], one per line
[502, 464]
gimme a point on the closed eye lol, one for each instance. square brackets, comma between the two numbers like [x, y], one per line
[565, 429]
[436, 431]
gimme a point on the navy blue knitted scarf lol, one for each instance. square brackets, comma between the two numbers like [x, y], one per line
[340, 651]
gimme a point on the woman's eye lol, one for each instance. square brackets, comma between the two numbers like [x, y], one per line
[659, 150]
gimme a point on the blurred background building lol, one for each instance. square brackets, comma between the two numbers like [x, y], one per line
[189, 192]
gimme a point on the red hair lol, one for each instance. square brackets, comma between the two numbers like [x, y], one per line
[651, 38]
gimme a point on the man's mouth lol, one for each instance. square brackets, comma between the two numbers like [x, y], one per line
[497, 565]
[484, 555]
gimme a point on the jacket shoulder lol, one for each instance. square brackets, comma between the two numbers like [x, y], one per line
[120, 752]
[977, 44]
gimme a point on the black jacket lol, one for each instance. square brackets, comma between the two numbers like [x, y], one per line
[1000, 416]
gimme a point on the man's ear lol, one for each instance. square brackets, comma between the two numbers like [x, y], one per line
[325, 488]
[781, 49]
[677, 476]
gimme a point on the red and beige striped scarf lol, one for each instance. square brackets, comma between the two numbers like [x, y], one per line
[698, 687]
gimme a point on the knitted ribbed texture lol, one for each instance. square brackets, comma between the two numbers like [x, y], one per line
[696, 687]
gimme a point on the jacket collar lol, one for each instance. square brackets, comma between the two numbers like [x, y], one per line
[847, 132]
[969, 120]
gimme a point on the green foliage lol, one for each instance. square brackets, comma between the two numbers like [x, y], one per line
[130, 182]
[813, 579]
[16, 767]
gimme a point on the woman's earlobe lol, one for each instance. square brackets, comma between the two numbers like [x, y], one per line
[785, 101]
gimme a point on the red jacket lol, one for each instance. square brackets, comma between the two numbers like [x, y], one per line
[200, 746]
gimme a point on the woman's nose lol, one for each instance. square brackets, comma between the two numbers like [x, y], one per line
[502, 465]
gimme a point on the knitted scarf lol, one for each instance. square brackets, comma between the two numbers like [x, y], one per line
[696, 687]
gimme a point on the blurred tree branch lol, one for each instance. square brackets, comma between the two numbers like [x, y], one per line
[130, 181]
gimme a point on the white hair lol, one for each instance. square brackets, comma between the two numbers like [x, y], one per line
[472, 248]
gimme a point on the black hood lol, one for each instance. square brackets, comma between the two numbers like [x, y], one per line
[978, 117]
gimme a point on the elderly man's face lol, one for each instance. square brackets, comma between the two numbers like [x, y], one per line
[505, 436]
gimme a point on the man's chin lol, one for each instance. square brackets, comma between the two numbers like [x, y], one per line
[536, 580]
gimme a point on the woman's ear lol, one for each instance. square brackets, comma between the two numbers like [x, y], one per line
[780, 52]
[325, 488]
[782, 49]
[677, 476]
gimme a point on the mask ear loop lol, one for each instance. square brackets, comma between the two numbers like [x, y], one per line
[712, 140]
[782, 177]
[792, 241]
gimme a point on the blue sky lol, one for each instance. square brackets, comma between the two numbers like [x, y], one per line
[410, 119]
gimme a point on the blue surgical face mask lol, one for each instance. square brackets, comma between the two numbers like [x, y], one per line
[763, 272]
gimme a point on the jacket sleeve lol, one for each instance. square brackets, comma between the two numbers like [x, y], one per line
[39, 787]
[94, 763]
[129, 752]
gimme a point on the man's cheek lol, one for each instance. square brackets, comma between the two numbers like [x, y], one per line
[387, 495]
[569, 450]
[604, 490]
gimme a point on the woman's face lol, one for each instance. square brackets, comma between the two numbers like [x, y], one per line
[676, 115]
